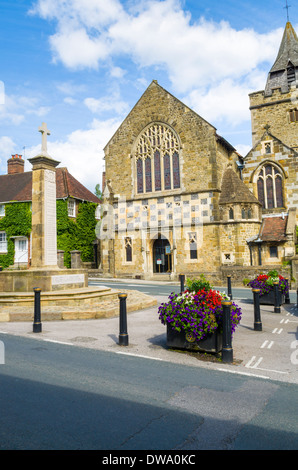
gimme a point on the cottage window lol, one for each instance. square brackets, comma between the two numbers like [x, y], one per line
[273, 252]
[3, 242]
[71, 208]
[270, 187]
[157, 160]
[2, 210]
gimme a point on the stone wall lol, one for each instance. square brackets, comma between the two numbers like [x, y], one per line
[274, 110]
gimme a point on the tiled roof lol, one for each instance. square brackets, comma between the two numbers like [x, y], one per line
[234, 191]
[18, 187]
[273, 229]
[288, 50]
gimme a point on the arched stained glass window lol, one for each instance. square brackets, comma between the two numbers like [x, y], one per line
[167, 171]
[148, 175]
[176, 171]
[140, 183]
[261, 192]
[157, 159]
[270, 187]
[157, 171]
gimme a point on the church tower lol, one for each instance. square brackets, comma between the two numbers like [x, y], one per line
[277, 105]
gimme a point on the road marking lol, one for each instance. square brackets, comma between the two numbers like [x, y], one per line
[56, 341]
[265, 344]
[255, 366]
[249, 374]
[277, 331]
[139, 355]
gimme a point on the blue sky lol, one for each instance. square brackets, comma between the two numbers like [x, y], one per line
[81, 65]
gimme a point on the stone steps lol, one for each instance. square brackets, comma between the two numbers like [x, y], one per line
[85, 304]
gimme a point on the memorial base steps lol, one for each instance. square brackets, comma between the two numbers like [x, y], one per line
[75, 304]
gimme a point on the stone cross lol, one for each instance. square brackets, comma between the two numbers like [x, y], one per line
[44, 138]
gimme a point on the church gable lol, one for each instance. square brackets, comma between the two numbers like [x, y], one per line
[163, 145]
[270, 172]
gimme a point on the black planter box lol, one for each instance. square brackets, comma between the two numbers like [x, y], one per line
[268, 299]
[212, 343]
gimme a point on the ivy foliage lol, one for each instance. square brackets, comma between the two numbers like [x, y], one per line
[16, 222]
[76, 234]
[72, 234]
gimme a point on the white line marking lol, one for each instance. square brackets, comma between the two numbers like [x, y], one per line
[257, 363]
[138, 355]
[264, 345]
[249, 362]
[244, 373]
[55, 341]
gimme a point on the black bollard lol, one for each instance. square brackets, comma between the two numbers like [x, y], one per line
[276, 298]
[227, 351]
[257, 313]
[37, 317]
[123, 336]
[230, 287]
[287, 295]
[182, 280]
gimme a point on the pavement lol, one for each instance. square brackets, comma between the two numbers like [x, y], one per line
[268, 354]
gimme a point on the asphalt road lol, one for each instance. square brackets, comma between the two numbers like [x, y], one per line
[57, 397]
[167, 289]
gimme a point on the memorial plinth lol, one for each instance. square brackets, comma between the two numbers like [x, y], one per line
[64, 292]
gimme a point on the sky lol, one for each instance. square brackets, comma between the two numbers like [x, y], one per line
[82, 65]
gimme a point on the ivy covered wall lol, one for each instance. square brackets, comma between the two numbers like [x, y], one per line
[76, 234]
[72, 234]
[16, 222]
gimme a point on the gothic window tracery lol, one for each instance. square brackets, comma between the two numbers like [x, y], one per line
[157, 158]
[270, 187]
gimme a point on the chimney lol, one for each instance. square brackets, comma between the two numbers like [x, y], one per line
[15, 165]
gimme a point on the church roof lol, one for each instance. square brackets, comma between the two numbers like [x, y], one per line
[18, 187]
[273, 229]
[234, 191]
[288, 51]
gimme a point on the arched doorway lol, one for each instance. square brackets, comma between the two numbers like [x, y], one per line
[162, 257]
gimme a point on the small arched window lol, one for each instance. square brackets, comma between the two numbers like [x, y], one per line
[231, 214]
[270, 187]
[293, 115]
[128, 249]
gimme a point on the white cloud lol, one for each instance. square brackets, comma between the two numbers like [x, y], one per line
[7, 148]
[108, 103]
[16, 108]
[199, 57]
[82, 151]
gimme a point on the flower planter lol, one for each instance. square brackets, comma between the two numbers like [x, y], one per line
[212, 343]
[268, 299]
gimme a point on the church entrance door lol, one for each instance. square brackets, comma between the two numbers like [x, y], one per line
[162, 258]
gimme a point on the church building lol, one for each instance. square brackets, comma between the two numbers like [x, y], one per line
[179, 199]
